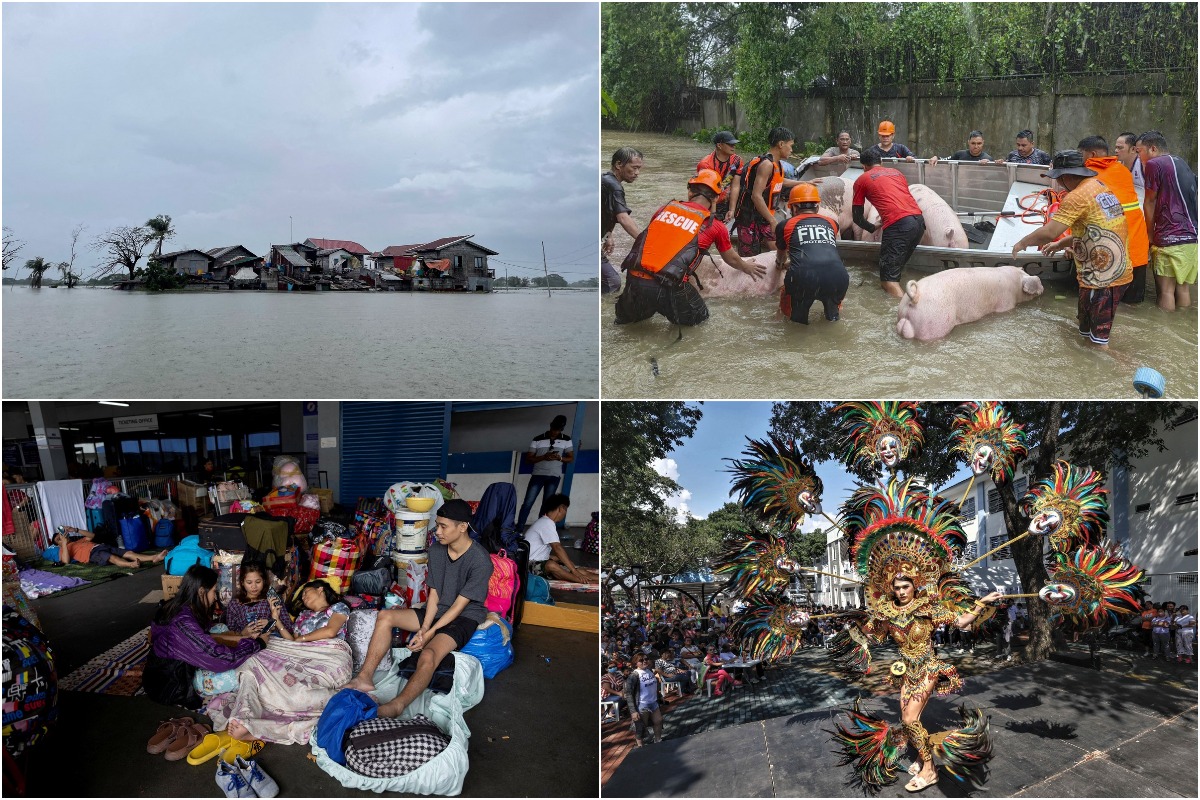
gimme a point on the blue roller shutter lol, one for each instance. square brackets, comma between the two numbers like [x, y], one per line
[383, 443]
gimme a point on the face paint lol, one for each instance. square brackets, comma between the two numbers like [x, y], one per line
[1046, 522]
[889, 450]
[1058, 594]
[981, 462]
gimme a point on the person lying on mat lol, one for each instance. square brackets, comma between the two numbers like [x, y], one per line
[459, 572]
[547, 557]
[180, 642]
[79, 545]
[324, 615]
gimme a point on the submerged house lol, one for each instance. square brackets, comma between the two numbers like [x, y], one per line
[452, 263]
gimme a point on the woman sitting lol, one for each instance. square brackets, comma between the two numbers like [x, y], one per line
[180, 643]
[251, 603]
[79, 545]
[716, 673]
[282, 691]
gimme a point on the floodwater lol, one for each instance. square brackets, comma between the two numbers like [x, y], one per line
[77, 343]
[746, 349]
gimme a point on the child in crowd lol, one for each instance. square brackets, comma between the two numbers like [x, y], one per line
[1162, 633]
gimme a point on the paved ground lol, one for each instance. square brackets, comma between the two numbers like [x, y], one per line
[1060, 729]
[98, 747]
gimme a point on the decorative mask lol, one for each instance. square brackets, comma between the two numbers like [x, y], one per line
[1058, 594]
[888, 448]
[1046, 522]
[809, 502]
[798, 618]
[982, 459]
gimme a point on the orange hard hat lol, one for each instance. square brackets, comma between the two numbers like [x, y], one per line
[886, 128]
[708, 177]
[804, 193]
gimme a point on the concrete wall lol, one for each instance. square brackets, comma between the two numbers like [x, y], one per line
[932, 119]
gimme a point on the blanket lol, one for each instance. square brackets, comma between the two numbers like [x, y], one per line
[283, 689]
[62, 504]
[37, 583]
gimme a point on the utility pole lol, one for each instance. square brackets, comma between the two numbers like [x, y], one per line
[291, 236]
[506, 284]
[546, 270]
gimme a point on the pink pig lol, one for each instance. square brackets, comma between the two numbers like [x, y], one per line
[721, 280]
[932, 306]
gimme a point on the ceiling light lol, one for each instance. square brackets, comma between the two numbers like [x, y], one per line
[202, 414]
[112, 403]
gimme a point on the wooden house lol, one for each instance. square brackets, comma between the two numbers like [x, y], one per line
[187, 262]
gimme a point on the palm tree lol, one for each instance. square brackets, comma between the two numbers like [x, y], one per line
[69, 277]
[36, 267]
[160, 229]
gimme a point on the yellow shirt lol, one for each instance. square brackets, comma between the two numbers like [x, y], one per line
[1097, 221]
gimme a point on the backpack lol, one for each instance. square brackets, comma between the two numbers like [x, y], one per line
[503, 586]
[164, 533]
[386, 747]
[186, 554]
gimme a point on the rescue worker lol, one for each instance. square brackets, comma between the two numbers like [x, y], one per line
[761, 182]
[726, 163]
[888, 147]
[665, 254]
[903, 225]
[807, 248]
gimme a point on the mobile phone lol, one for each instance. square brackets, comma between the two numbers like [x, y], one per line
[270, 625]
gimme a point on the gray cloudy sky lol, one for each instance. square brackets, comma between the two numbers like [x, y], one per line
[381, 123]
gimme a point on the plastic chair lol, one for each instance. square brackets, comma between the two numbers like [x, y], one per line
[666, 685]
[604, 710]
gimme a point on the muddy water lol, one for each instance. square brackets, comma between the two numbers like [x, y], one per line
[747, 350]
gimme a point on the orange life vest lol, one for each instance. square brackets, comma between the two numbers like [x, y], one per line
[669, 248]
[745, 205]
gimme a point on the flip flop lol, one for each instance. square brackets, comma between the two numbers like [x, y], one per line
[191, 733]
[165, 735]
[918, 784]
[210, 748]
[246, 750]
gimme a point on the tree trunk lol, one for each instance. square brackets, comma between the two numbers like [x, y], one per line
[1027, 553]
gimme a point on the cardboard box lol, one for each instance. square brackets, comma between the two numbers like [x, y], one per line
[326, 496]
[170, 584]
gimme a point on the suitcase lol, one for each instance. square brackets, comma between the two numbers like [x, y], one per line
[223, 533]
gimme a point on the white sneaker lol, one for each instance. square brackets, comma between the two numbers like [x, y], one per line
[262, 783]
[231, 781]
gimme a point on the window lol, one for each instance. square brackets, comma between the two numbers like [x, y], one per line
[994, 503]
[458, 262]
[1003, 553]
[968, 509]
[1185, 499]
[1019, 486]
[478, 262]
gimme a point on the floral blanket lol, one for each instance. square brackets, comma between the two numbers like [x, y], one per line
[283, 689]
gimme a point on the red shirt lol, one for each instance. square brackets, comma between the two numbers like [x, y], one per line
[715, 231]
[888, 191]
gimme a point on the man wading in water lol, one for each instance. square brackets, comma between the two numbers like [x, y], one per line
[664, 256]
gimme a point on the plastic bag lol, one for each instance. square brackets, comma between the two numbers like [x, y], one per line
[288, 471]
[492, 645]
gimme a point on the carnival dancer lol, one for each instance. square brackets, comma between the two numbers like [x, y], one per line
[664, 257]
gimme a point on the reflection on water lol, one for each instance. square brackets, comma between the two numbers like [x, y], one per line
[747, 350]
[98, 342]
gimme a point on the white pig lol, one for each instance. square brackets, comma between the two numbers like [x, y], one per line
[721, 280]
[932, 306]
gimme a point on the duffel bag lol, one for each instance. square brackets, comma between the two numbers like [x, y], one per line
[135, 535]
[335, 561]
[386, 747]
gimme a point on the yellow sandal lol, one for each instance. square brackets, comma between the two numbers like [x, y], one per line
[209, 748]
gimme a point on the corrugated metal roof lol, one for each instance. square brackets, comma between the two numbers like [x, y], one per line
[293, 258]
[400, 250]
[343, 244]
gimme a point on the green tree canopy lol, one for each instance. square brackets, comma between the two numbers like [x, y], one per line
[639, 527]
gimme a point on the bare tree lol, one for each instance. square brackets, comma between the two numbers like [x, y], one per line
[12, 246]
[122, 248]
[67, 268]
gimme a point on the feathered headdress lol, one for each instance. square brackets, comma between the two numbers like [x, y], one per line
[868, 425]
[902, 530]
[772, 629]
[988, 439]
[1094, 585]
[749, 564]
[1078, 497]
[777, 483]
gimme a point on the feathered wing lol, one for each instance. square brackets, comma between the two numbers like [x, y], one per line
[1079, 497]
[769, 480]
[864, 423]
[987, 423]
[965, 752]
[1103, 586]
[850, 649]
[748, 562]
[772, 628]
[871, 745]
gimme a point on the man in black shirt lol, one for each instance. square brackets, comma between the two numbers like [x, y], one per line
[626, 164]
[974, 151]
[459, 572]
